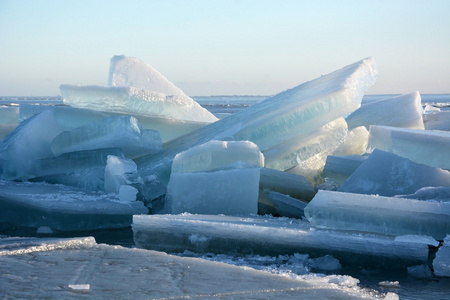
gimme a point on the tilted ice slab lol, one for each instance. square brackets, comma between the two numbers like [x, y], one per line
[277, 204]
[437, 120]
[386, 174]
[271, 236]
[377, 214]
[402, 111]
[71, 117]
[339, 168]
[441, 264]
[122, 132]
[131, 71]
[429, 147]
[79, 267]
[215, 178]
[63, 208]
[277, 119]
[27, 143]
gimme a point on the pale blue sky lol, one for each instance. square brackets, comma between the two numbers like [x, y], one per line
[224, 47]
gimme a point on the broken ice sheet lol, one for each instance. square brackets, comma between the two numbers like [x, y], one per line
[265, 235]
[377, 214]
[386, 174]
[441, 263]
[275, 120]
[63, 208]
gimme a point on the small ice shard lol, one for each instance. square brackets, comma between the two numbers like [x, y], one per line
[420, 272]
[80, 287]
[429, 147]
[120, 175]
[113, 132]
[63, 208]
[71, 117]
[385, 215]
[402, 111]
[278, 204]
[288, 154]
[338, 168]
[325, 263]
[441, 263]
[136, 88]
[275, 120]
[440, 193]
[215, 178]
[437, 120]
[27, 143]
[293, 185]
[387, 174]
[272, 236]
[131, 71]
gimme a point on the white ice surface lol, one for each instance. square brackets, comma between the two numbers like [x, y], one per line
[271, 236]
[401, 111]
[386, 174]
[385, 215]
[437, 120]
[63, 208]
[80, 268]
[430, 147]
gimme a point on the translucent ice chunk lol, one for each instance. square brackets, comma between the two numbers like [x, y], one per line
[437, 120]
[271, 236]
[402, 111]
[120, 174]
[278, 204]
[63, 208]
[27, 143]
[338, 168]
[387, 174]
[441, 264]
[386, 215]
[135, 101]
[131, 71]
[113, 132]
[428, 147]
[215, 178]
[274, 120]
[440, 193]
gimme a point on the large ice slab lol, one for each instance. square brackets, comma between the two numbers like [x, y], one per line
[80, 268]
[27, 143]
[441, 263]
[271, 236]
[275, 120]
[385, 215]
[122, 132]
[386, 174]
[63, 208]
[215, 178]
[401, 111]
[429, 147]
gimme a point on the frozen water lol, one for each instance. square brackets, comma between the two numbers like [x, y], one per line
[402, 111]
[387, 174]
[441, 264]
[292, 185]
[271, 236]
[131, 71]
[413, 238]
[338, 168]
[355, 142]
[9, 119]
[429, 147]
[278, 204]
[215, 178]
[80, 268]
[113, 132]
[27, 143]
[288, 154]
[275, 120]
[440, 193]
[385, 215]
[120, 173]
[63, 208]
[71, 117]
[215, 155]
[437, 120]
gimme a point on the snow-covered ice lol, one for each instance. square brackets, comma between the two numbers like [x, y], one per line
[387, 174]
[429, 147]
[63, 208]
[271, 236]
[401, 111]
[80, 268]
[122, 132]
[215, 178]
[385, 215]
